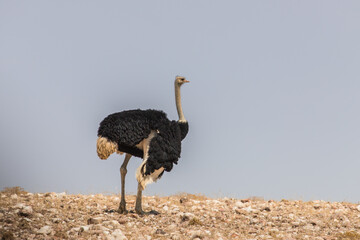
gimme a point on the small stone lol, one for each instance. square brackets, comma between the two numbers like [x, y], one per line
[53, 210]
[76, 229]
[99, 227]
[14, 196]
[317, 206]
[85, 228]
[62, 194]
[176, 236]
[129, 224]
[51, 194]
[295, 224]
[266, 209]
[56, 220]
[27, 210]
[118, 235]
[122, 221]
[175, 209]
[96, 220]
[345, 222]
[249, 209]
[171, 227]
[186, 216]
[358, 207]
[115, 223]
[19, 205]
[160, 231]
[165, 208]
[196, 234]
[239, 211]
[239, 204]
[45, 230]
[308, 227]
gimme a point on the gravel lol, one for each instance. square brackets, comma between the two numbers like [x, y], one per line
[64, 216]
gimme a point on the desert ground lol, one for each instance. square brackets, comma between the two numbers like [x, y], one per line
[25, 215]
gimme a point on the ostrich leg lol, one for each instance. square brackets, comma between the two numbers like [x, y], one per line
[123, 171]
[138, 205]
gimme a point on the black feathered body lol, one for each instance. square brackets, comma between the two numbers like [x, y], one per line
[129, 128]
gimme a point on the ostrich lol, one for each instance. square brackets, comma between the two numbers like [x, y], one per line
[147, 134]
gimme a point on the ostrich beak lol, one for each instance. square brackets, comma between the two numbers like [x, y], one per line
[186, 81]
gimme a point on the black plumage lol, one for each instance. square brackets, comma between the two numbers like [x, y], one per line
[129, 128]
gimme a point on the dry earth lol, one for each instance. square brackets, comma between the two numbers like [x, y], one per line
[62, 216]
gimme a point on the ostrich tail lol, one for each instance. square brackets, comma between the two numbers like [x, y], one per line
[144, 179]
[105, 148]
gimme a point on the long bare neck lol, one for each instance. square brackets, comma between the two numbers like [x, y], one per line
[178, 103]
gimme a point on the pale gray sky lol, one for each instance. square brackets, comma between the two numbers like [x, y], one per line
[273, 104]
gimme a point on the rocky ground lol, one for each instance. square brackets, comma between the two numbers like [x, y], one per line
[62, 216]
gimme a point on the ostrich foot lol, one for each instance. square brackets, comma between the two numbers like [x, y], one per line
[122, 209]
[151, 212]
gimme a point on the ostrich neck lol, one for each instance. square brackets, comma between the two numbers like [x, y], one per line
[178, 103]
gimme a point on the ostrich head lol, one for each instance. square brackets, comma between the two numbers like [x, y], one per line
[179, 80]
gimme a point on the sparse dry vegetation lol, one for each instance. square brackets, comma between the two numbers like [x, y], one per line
[13, 190]
[26, 215]
[348, 236]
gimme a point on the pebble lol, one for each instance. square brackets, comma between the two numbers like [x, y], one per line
[62, 194]
[53, 210]
[159, 231]
[56, 220]
[249, 209]
[45, 230]
[171, 227]
[115, 223]
[239, 204]
[186, 216]
[96, 220]
[19, 205]
[295, 224]
[75, 229]
[176, 236]
[175, 209]
[14, 196]
[129, 224]
[118, 235]
[27, 210]
[38, 215]
[196, 234]
[85, 228]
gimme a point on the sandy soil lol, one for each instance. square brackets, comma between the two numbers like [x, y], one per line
[62, 216]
